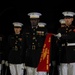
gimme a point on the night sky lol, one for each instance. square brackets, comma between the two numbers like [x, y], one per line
[51, 11]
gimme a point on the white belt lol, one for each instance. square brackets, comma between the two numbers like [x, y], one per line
[70, 44]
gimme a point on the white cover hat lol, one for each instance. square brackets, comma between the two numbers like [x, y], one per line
[17, 24]
[68, 13]
[41, 24]
[34, 14]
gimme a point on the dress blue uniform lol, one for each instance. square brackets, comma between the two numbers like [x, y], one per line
[16, 51]
[35, 37]
[67, 45]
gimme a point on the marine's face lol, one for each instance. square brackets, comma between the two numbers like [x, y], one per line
[34, 22]
[68, 21]
[17, 30]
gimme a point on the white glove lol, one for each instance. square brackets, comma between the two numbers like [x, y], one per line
[3, 61]
[58, 35]
[6, 63]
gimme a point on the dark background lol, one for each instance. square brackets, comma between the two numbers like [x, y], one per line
[51, 10]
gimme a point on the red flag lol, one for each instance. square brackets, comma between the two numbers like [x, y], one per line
[45, 56]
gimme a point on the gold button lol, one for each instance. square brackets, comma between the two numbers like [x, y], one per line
[66, 28]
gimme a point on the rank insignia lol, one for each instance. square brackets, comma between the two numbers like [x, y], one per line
[38, 32]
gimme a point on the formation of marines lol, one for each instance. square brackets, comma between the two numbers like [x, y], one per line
[21, 51]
